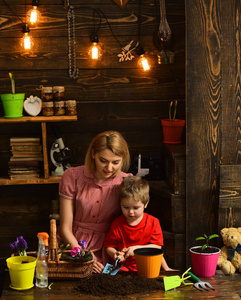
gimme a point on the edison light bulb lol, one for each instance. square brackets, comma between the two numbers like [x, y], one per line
[26, 40]
[144, 63]
[33, 15]
[95, 51]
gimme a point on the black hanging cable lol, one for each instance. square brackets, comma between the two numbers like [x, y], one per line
[13, 11]
[139, 49]
[101, 12]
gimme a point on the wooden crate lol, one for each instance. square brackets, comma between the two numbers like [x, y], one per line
[169, 208]
[175, 250]
[175, 166]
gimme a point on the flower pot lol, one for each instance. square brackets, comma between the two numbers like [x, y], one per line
[148, 261]
[21, 274]
[204, 264]
[172, 131]
[13, 105]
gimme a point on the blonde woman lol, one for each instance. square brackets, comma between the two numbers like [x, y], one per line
[89, 199]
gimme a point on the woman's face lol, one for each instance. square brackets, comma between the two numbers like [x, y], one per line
[107, 164]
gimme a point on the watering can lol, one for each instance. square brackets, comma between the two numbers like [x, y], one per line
[171, 282]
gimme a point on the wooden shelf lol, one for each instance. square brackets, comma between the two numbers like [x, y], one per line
[43, 120]
[39, 119]
[50, 180]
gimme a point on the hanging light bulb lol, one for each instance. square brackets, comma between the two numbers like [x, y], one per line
[95, 49]
[26, 41]
[164, 32]
[143, 61]
[33, 15]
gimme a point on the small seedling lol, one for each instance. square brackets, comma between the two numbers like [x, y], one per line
[207, 239]
[12, 82]
[174, 110]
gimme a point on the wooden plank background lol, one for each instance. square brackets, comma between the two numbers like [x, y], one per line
[203, 117]
[109, 94]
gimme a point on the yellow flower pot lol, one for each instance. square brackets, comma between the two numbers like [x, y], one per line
[21, 274]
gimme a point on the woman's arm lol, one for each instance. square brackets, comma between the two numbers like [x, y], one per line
[66, 221]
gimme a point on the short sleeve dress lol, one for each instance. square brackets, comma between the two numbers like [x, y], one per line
[96, 205]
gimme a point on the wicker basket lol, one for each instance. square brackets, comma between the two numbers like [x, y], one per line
[69, 270]
[60, 269]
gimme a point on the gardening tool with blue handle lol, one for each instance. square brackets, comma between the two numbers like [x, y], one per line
[112, 270]
[171, 282]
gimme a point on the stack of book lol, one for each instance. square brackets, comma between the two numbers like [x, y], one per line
[26, 158]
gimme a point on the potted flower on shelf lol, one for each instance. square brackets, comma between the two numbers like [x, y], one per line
[205, 257]
[13, 103]
[172, 127]
[21, 267]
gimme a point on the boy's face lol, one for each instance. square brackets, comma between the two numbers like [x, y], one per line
[132, 210]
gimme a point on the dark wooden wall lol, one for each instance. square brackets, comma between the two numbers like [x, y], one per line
[213, 117]
[109, 94]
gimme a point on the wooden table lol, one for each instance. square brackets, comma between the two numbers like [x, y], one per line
[226, 287]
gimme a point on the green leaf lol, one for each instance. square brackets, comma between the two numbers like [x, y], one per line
[204, 246]
[213, 236]
[200, 238]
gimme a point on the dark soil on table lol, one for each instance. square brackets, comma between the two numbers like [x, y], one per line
[114, 285]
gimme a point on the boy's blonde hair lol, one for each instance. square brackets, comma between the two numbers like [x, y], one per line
[135, 187]
[112, 140]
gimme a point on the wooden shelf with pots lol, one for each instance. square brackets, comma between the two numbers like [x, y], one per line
[47, 179]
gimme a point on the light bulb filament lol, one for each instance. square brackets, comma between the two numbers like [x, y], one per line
[145, 64]
[33, 15]
[26, 41]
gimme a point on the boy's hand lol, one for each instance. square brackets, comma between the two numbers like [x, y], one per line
[129, 252]
[120, 255]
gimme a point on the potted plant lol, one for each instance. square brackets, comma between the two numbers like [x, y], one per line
[205, 257]
[21, 267]
[172, 127]
[13, 103]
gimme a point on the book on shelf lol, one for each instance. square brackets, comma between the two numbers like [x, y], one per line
[26, 148]
[27, 158]
[24, 139]
[26, 154]
[24, 163]
[24, 176]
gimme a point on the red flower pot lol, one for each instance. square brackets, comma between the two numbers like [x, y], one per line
[172, 131]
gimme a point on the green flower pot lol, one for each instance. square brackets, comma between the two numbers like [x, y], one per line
[13, 105]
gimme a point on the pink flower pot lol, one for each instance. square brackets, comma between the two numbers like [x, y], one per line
[204, 264]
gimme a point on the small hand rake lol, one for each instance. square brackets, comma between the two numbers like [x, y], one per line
[200, 285]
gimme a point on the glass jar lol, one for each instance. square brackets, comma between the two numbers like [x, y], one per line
[70, 107]
[58, 93]
[48, 108]
[47, 93]
[59, 109]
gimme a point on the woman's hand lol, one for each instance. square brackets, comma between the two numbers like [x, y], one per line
[97, 267]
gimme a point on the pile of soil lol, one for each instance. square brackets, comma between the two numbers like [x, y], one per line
[107, 285]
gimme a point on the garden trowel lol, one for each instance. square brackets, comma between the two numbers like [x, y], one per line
[112, 270]
[171, 282]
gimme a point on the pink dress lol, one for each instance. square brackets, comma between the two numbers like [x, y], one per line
[96, 205]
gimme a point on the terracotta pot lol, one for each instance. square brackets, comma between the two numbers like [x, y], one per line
[204, 264]
[172, 131]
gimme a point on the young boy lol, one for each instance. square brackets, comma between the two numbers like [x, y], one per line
[134, 229]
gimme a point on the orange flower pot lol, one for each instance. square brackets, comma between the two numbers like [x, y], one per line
[148, 261]
[172, 131]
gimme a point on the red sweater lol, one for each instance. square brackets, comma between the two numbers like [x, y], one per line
[123, 235]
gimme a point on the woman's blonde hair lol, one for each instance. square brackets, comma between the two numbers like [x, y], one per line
[135, 187]
[112, 140]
